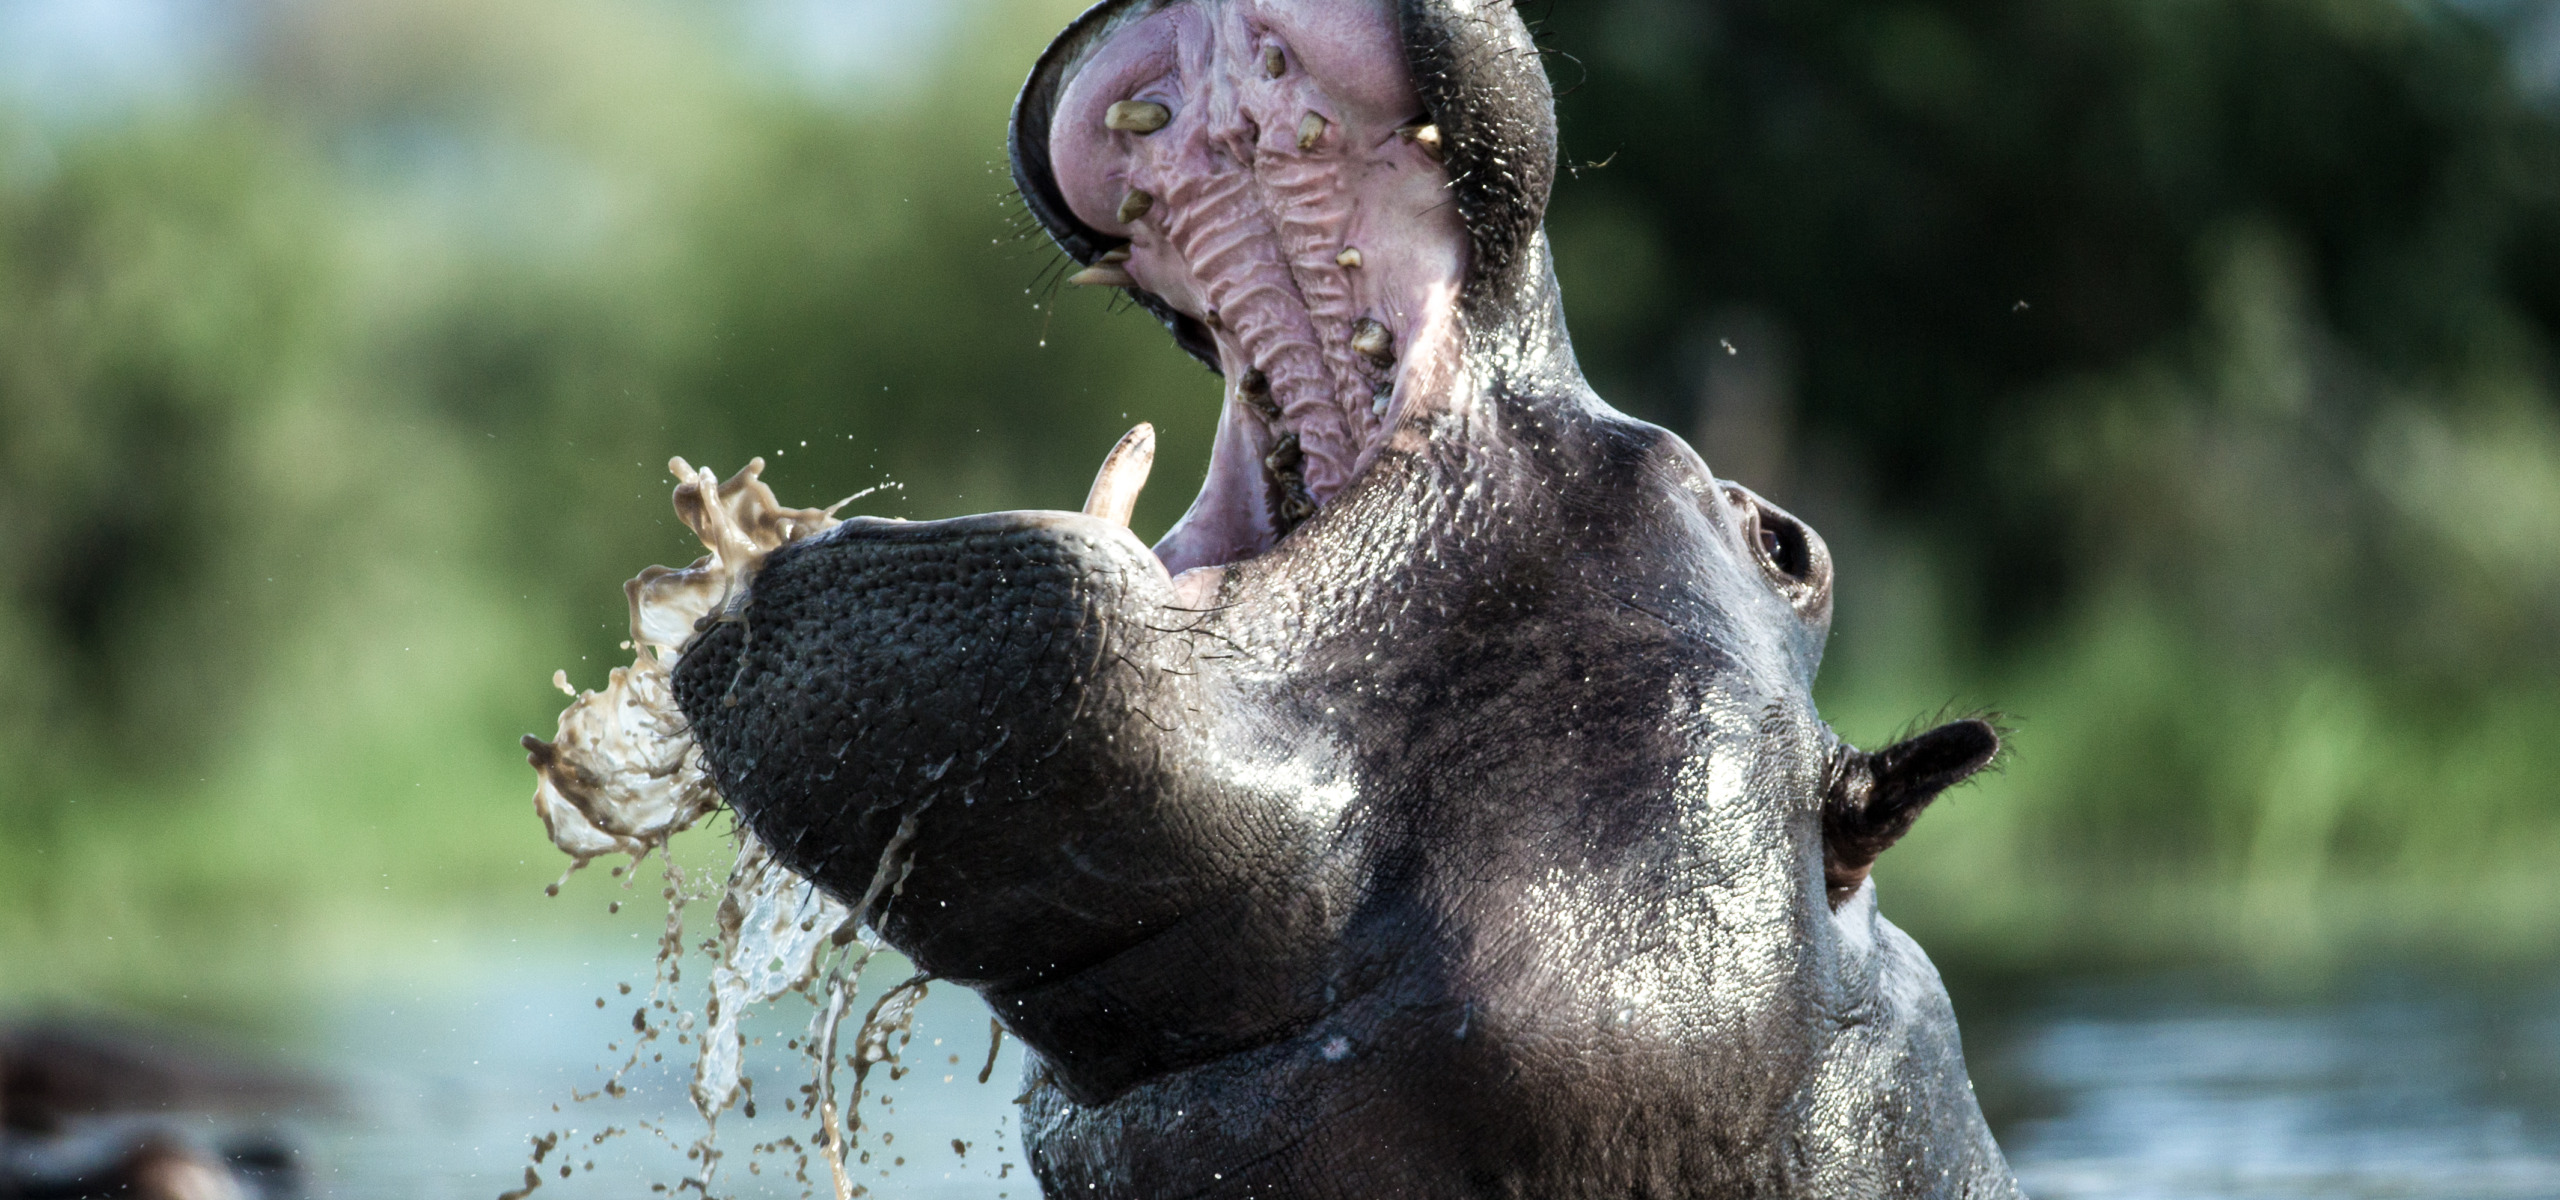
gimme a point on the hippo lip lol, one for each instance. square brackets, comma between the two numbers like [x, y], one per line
[1261, 175]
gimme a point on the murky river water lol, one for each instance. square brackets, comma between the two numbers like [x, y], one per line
[2397, 1084]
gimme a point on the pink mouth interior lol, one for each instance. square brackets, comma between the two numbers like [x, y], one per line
[1289, 208]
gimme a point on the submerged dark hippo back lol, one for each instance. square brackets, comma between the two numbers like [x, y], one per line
[1441, 809]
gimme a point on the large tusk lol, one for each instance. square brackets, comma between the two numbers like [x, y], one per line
[1101, 276]
[1123, 475]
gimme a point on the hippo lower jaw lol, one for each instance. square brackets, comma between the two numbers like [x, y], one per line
[1271, 180]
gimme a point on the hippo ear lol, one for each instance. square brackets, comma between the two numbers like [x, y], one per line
[1874, 797]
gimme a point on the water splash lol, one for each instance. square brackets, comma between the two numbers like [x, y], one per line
[623, 775]
[773, 927]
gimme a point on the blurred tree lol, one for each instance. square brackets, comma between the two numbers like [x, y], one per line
[1952, 205]
[2202, 349]
[336, 403]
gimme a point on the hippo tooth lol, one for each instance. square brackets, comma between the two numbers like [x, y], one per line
[1350, 257]
[1114, 257]
[1372, 340]
[1135, 205]
[1427, 136]
[1274, 63]
[1310, 131]
[1101, 276]
[1285, 454]
[1378, 403]
[1137, 116]
[1122, 477]
[1256, 388]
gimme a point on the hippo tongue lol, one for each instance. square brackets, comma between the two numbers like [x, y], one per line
[1263, 161]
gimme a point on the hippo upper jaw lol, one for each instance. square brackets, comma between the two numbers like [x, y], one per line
[1277, 181]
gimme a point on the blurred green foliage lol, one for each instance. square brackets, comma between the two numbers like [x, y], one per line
[2173, 376]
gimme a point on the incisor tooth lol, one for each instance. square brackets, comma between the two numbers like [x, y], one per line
[1114, 257]
[1122, 477]
[1135, 205]
[1274, 63]
[1426, 136]
[1137, 116]
[1101, 276]
[1350, 257]
[1310, 131]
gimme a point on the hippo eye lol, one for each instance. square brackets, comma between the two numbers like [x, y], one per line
[1790, 554]
[1783, 546]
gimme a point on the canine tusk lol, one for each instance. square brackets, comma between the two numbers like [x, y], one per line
[1123, 475]
[1135, 205]
[1103, 276]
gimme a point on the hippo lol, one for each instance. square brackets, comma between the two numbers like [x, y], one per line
[89, 1112]
[1440, 808]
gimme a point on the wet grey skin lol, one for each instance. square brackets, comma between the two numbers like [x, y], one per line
[1473, 836]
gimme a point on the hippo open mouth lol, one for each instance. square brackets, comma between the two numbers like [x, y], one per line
[1440, 809]
[1264, 177]
[1265, 174]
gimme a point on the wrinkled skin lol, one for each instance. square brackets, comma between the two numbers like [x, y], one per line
[1473, 836]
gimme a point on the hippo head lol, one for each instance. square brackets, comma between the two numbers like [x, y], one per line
[1440, 808]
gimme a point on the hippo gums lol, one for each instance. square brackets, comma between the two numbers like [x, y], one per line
[1440, 808]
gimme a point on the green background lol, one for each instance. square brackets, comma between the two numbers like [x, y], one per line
[2173, 377]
